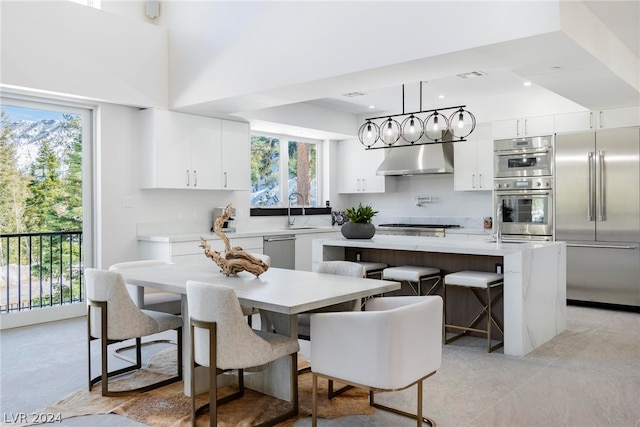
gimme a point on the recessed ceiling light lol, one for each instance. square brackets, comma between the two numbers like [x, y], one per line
[441, 96]
[527, 83]
[372, 106]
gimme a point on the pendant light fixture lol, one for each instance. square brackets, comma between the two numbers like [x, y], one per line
[414, 130]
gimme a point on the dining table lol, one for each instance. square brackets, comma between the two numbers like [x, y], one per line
[280, 295]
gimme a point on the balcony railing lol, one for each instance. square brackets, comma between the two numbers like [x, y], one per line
[40, 270]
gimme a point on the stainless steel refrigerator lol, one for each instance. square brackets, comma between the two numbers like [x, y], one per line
[597, 204]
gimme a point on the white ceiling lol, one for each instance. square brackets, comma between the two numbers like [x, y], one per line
[621, 17]
[563, 70]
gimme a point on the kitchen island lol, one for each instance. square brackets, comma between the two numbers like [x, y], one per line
[534, 275]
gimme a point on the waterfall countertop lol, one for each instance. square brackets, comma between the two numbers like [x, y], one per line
[535, 282]
[438, 244]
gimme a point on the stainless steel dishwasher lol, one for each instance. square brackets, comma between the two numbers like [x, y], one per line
[282, 250]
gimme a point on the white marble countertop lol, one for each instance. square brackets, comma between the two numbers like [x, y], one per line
[189, 237]
[438, 244]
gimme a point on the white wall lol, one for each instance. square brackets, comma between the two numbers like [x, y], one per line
[60, 47]
[446, 202]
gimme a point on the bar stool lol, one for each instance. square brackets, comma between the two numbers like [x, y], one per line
[373, 269]
[413, 274]
[477, 282]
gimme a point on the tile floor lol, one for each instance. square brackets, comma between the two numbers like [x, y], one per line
[587, 376]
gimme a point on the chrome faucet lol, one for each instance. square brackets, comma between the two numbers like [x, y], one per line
[499, 224]
[292, 220]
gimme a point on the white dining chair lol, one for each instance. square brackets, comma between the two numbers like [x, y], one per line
[112, 317]
[392, 345]
[149, 298]
[223, 341]
[340, 268]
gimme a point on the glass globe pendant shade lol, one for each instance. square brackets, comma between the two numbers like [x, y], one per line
[462, 123]
[436, 126]
[368, 133]
[412, 129]
[390, 131]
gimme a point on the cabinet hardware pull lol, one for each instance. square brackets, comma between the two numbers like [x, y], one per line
[188, 178]
[195, 178]
[473, 180]
[225, 180]
[279, 239]
[525, 126]
[579, 245]
[479, 180]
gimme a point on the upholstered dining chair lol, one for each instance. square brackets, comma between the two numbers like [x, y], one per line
[149, 298]
[216, 318]
[112, 317]
[403, 332]
[341, 268]
[250, 311]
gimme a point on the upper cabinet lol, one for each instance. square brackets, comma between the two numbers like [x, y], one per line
[619, 117]
[473, 166]
[357, 169]
[528, 126]
[236, 156]
[603, 119]
[187, 152]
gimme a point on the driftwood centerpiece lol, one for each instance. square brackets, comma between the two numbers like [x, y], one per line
[235, 259]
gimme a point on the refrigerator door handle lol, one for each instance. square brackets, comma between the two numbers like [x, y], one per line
[590, 180]
[580, 245]
[601, 195]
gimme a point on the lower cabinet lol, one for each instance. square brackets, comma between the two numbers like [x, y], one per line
[190, 252]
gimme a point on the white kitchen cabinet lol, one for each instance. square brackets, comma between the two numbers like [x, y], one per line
[236, 156]
[602, 119]
[179, 150]
[188, 152]
[619, 117]
[190, 252]
[527, 126]
[575, 122]
[357, 169]
[473, 165]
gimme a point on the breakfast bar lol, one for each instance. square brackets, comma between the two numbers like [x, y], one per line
[534, 275]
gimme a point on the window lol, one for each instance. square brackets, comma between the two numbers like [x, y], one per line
[282, 165]
[45, 203]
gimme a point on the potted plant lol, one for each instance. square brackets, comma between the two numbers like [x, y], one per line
[359, 225]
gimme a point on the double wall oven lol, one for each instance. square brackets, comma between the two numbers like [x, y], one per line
[523, 187]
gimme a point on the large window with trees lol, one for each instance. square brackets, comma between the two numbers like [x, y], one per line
[43, 160]
[282, 165]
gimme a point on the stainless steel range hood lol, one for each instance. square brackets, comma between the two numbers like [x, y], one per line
[421, 159]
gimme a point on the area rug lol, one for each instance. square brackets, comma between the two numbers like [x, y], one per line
[169, 407]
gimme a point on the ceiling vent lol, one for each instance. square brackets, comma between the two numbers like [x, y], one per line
[353, 94]
[471, 75]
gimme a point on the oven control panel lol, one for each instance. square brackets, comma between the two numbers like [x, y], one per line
[542, 183]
